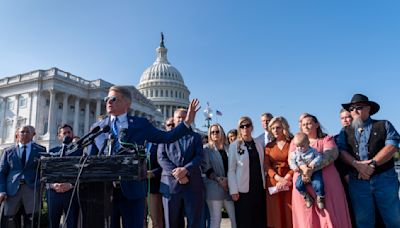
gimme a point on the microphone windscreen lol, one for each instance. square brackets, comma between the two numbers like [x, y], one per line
[94, 130]
[67, 140]
[123, 133]
[106, 129]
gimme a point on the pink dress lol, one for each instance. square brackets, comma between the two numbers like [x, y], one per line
[336, 212]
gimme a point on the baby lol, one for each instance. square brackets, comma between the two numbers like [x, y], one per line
[306, 156]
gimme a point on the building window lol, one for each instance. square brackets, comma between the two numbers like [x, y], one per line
[176, 94]
[166, 93]
[21, 121]
[156, 93]
[47, 102]
[60, 105]
[161, 93]
[8, 129]
[10, 104]
[151, 93]
[22, 102]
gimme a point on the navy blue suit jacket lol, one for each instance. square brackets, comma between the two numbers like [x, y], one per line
[171, 156]
[140, 130]
[155, 169]
[11, 169]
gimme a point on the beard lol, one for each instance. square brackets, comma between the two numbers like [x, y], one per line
[357, 123]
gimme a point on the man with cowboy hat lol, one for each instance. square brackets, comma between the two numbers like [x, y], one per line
[368, 146]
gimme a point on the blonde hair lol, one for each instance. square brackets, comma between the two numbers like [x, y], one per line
[180, 110]
[239, 134]
[285, 127]
[222, 141]
[124, 91]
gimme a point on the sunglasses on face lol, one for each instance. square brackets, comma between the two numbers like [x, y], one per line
[110, 98]
[245, 126]
[170, 125]
[358, 108]
[215, 132]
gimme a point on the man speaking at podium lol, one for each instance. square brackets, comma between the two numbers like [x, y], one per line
[129, 196]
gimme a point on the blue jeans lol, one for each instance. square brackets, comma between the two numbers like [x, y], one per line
[382, 191]
[316, 181]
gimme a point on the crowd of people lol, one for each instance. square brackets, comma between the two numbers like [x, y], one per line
[278, 179]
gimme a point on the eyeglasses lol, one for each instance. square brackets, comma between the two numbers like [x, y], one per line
[245, 126]
[110, 98]
[215, 132]
[170, 125]
[358, 108]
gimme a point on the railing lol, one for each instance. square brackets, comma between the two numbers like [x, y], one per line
[54, 72]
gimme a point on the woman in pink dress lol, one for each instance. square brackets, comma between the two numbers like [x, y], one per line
[336, 213]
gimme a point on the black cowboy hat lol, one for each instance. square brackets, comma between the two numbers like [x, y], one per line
[359, 98]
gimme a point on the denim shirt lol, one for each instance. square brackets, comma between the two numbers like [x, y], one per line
[362, 137]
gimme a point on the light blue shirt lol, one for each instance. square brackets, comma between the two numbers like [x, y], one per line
[21, 149]
[122, 121]
[362, 138]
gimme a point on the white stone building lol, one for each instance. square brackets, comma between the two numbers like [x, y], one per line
[46, 99]
[163, 84]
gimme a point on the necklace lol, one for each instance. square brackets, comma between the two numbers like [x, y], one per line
[249, 144]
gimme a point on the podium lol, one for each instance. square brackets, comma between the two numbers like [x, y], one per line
[94, 169]
[96, 177]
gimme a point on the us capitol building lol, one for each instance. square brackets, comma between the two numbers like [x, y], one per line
[46, 99]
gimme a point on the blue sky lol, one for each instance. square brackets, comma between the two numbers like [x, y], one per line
[244, 57]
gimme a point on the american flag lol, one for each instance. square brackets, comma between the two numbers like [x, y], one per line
[218, 113]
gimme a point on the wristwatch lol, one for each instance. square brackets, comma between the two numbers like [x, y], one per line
[373, 163]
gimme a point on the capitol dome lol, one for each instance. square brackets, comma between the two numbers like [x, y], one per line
[163, 84]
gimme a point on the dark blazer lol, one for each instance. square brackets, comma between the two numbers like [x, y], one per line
[155, 169]
[170, 156]
[11, 169]
[140, 130]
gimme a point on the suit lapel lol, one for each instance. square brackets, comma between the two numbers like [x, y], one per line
[15, 156]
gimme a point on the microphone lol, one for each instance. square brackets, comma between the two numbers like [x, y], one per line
[111, 139]
[81, 140]
[104, 145]
[122, 136]
[105, 129]
[67, 140]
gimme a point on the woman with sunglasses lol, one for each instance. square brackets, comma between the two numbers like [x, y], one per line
[335, 213]
[279, 174]
[246, 177]
[215, 166]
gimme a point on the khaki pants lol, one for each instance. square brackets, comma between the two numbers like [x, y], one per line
[156, 210]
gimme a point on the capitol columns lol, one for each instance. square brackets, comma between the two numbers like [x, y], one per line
[76, 116]
[16, 109]
[52, 123]
[87, 110]
[65, 109]
[30, 100]
[98, 108]
[3, 103]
